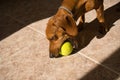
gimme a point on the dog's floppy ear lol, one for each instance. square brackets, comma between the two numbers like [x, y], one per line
[70, 25]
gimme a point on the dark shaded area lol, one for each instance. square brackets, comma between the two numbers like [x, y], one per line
[90, 30]
[100, 73]
[25, 12]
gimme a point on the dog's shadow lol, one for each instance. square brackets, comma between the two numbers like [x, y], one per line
[90, 30]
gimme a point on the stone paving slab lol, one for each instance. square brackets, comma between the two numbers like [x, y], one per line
[24, 49]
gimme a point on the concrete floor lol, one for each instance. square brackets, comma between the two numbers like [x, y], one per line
[24, 48]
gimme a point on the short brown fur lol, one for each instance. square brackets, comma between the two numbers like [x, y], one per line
[62, 25]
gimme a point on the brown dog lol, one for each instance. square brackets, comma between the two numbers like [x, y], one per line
[62, 26]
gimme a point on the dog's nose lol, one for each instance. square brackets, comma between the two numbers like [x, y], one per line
[54, 55]
[51, 55]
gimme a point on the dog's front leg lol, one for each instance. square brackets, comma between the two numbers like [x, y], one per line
[81, 22]
[103, 29]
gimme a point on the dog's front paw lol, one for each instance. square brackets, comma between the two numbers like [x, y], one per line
[102, 32]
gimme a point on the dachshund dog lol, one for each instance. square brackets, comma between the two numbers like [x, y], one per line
[62, 26]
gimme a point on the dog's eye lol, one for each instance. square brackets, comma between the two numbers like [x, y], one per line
[63, 28]
[54, 38]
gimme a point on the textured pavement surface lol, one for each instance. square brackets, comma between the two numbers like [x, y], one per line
[24, 48]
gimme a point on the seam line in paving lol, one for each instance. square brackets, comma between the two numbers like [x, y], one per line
[21, 22]
[98, 63]
[36, 30]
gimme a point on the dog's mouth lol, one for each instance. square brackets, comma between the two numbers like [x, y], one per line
[73, 42]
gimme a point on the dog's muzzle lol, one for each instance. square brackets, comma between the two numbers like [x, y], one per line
[72, 41]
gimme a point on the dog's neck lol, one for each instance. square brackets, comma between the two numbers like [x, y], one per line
[66, 9]
[68, 6]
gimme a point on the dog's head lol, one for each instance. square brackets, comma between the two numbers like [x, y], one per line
[59, 29]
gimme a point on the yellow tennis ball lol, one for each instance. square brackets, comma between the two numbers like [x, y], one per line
[66, 49]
